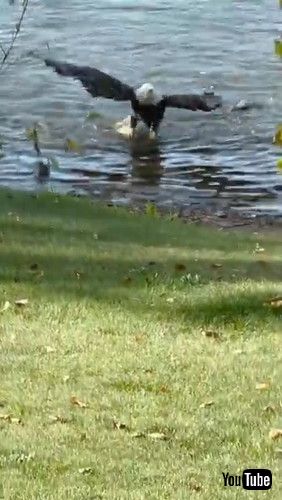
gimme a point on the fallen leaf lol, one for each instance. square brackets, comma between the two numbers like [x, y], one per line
[140, 338]
[50, 349]
[275, 434]
[85, 470]
[207, 404]
[10, 419]
[164, 389]
[195, 486]
[216, 266]
[22, 457]
[158, 435]
[170, 300]
[21, 302]
[15, 420]
[6, 306]
[211, 334]
[138, 435]
[76, 402]
[58, 418]
[77, 274]
[262, 386]
[269, 409]
[149, 371]
[258, 249]
[275, 302]
[239, 352]
[180, 267]
[120, 426]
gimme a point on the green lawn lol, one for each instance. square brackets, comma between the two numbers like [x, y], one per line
[160, 328]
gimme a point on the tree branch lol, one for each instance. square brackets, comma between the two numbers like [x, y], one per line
[7, 52]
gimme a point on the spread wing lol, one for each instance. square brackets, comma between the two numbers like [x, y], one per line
[194, 102]
[97, 83]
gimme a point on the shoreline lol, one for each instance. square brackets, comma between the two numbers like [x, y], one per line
[216, 217]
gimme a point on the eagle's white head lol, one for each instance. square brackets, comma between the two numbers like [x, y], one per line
[146, 94]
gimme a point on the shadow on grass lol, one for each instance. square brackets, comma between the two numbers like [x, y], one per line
[69, 247]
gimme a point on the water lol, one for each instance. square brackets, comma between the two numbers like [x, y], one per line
[201, 159]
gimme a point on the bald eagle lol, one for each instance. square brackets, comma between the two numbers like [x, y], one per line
[147, 104]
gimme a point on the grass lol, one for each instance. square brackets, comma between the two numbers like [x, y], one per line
[159, 328]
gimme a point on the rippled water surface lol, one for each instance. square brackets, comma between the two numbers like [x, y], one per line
[200, 159]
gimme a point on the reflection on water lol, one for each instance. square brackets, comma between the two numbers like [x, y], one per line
[219, 158]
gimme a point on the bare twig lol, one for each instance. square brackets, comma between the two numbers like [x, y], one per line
[2, 49]
[7, 52]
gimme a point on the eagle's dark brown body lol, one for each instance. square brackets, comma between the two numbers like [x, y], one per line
[145, 105]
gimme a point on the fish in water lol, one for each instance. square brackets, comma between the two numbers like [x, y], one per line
[148, 105]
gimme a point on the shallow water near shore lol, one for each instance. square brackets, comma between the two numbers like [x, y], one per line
[220, 159]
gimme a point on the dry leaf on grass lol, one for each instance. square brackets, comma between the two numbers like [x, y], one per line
[216, 265]
[152, 435]
[10, 419]
[21, 302]
[263, 386]
[50, 349]
[140, 338]
[6, 306]
[195, 486]
[85, 470]
[207, 404]
[275, 434]
[120, 426]
[269, 409]
[164, 389]
[77, 274]
[76, 402]
[276, 302]
[170, 300]
[157, 435]
[138, 435]
[58, 419]
[211, 334]
[258, 249]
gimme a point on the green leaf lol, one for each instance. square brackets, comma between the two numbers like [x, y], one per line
[278, 47]
[92, 115]
[72, 146]
[279, 164]
[277, 139]
[151, 210]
